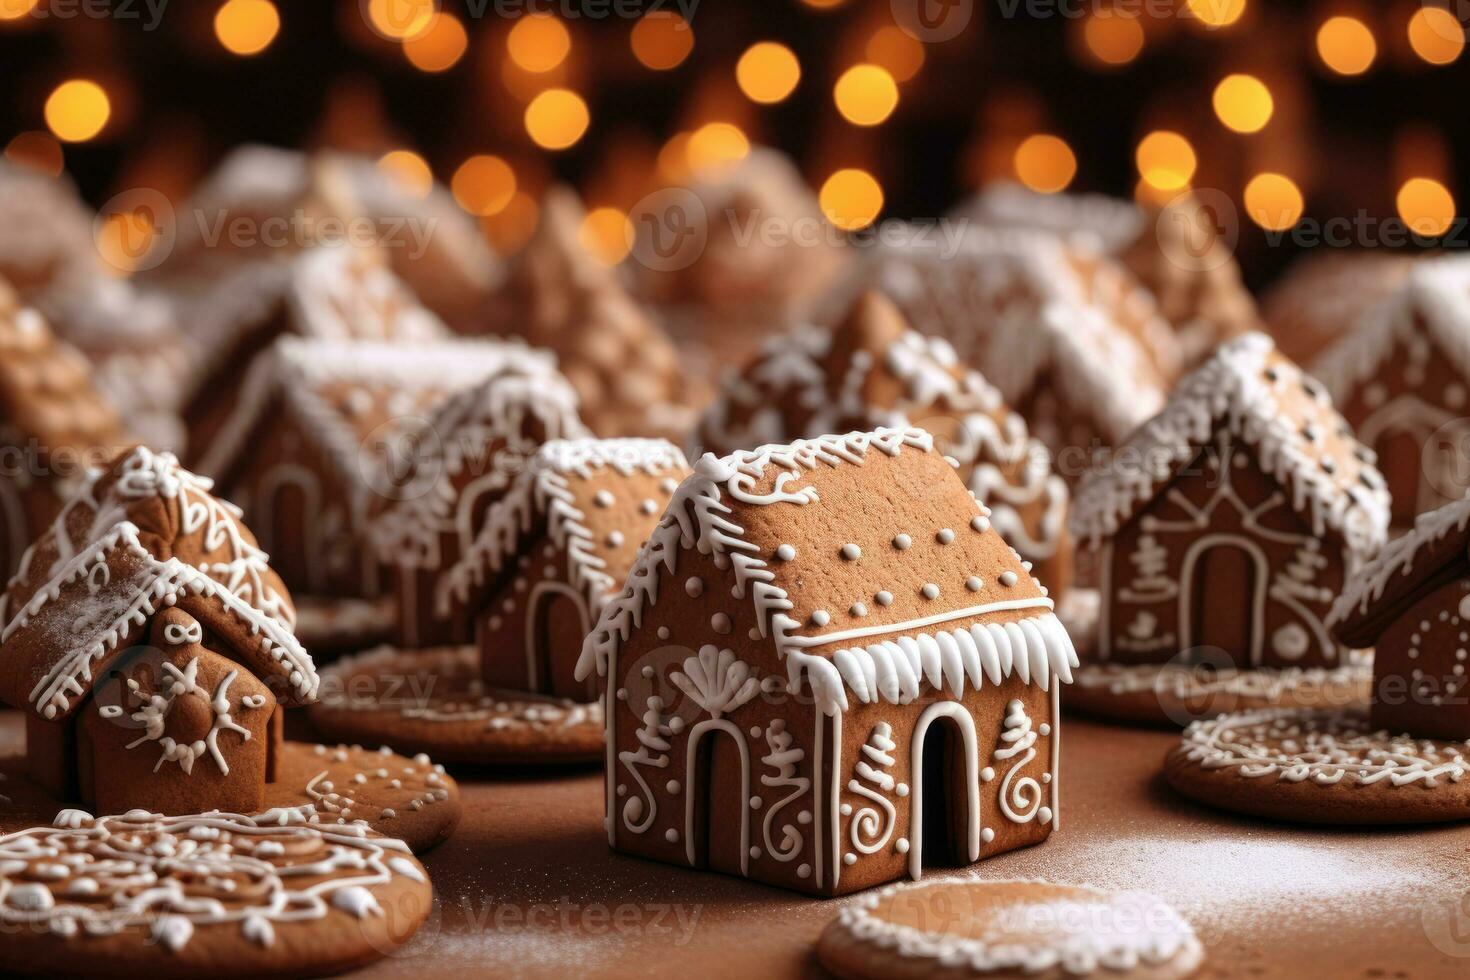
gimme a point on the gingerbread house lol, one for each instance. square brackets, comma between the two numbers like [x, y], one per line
[54, 426]
[872, 370]
[551, 554]
[307, 451]
[1097, 220]
[1066, 335]
[150, 644]
[332, 293]
[1324, 293]
[624, 368]
[1231, 521]
[1401, 375]
[450, 472]
[1412, 605]
[827, 671]
[45, 231]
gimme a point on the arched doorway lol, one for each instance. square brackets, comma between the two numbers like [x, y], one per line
[946, 773]
[1220, 572]
[717, 787]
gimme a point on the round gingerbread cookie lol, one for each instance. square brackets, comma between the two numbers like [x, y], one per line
[1034, 929]
[434, 701]
[1172, 696]
[1324, 767]
[212, 894]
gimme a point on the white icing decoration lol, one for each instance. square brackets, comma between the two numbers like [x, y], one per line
[1018, 803]
[872, 825]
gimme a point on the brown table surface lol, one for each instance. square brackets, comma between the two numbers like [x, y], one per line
[527, 886]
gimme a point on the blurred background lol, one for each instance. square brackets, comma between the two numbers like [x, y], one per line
[890, 108]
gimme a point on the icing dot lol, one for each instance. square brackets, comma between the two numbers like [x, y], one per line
[694, 586]
[849, 859]
[671, 835]
[755, 852]
[851, 552]
[753, 633]
[945, 535]
[1044, 729]
[1044, 814]
[614, 539]
[858, 609]
[803, 870]
[1007, 577]
[903, 542]
[668, 484]
[755, 802]
[987, 835]
[672, 786]
[980, 524]
[821, 618]
[647, 671]
[663, 633]
[884, 598]
[785, 552]
[845, 809]
[602, 498]
[901, 845]
[987, 774]
[930, 590]
[973, 583]
[648, 506]
[720, 623]
[902, 789]
[804, 817]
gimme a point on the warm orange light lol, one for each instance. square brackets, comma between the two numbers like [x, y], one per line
[1436, 35]
[483, 184]
[823, 4]
[1426, 206]
[410, 170]
[538, 42]
[713, 147]
[77, 110]
[897, 51]
[1113, 38]
[1346, 45]
[607, 234]
[400, 19]
[123, 239]
[247, 27]
[556, 118]
[661, 40]
[512, 227]
[866, 95]
[851, 198]
[1217, 13]
[1165, 160]
[1243, 103]
[1045, 163]
[440, 47]
[673, 159]
[1273, 201]
[767, 72]
[38, 151]
[16, 9]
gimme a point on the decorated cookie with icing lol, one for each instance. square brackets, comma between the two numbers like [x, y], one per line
[1223, 530]
[437, 701]
[1332, 766]
[820, 644]
[1022, 929]
[872, 370]
[214, 894]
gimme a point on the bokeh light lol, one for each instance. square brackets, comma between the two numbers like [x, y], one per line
[77, 110]
[483, 185]
[1346, 45]
[16, 9]
[866, 95]
[607, 234]
[513, 226]
[1113, 38]
[410, 170]
[1273, 201]
[538, 43]
[123, 239]
[1166, 160]
[714, 147]
[400, 19]
[767, 72]
[556, 119]
[1045, 163]
[440, 47]
[37, 150]
[1243, 103]
[1436, 35]
[851, 198]
[247, 27]
[661, 40]
[896, 51]
[1217, 13]
[1426, 206]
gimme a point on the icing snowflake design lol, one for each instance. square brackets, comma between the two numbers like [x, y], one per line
[81, 876]
[155, 709]
[1323, 747]
[716, 680]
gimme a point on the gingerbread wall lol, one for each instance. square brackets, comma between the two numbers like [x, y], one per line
[1421, 662]
[530, 628]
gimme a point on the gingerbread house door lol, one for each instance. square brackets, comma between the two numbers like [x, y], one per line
[1222, 597]
[557, 621]
[1422, 451]
[716, 821]
[287, 516]
[944, 808]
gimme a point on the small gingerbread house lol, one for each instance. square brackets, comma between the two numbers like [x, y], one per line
[45, 231]
[1325, 292]
[1412, 605]
[558, 296]
[827, 671]
[872, 370]
[449, 473]
[1401, 374]
[339, 292]
[150, 644]
[54, 426]
[1231, 521]
[307, 451]
[553, 551]
[1097, 220]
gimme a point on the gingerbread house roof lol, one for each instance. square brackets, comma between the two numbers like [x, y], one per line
[492, 428]
[1434, 296]
[1327, 291]
[1401, 573]
[1109, 223]
[1269, 404]
[46, 388]
[981, 629]
[144, 535]
[546, 491]
[45, 231]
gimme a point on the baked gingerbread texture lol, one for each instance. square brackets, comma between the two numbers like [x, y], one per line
[451, 472]
[1232, 520]
[54, 426]
[873, 370]
[314, 440]
[553, 551]
[1401, 373]
[1068, 337]
[1412, 605]
[820, 640]
[150, 644]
